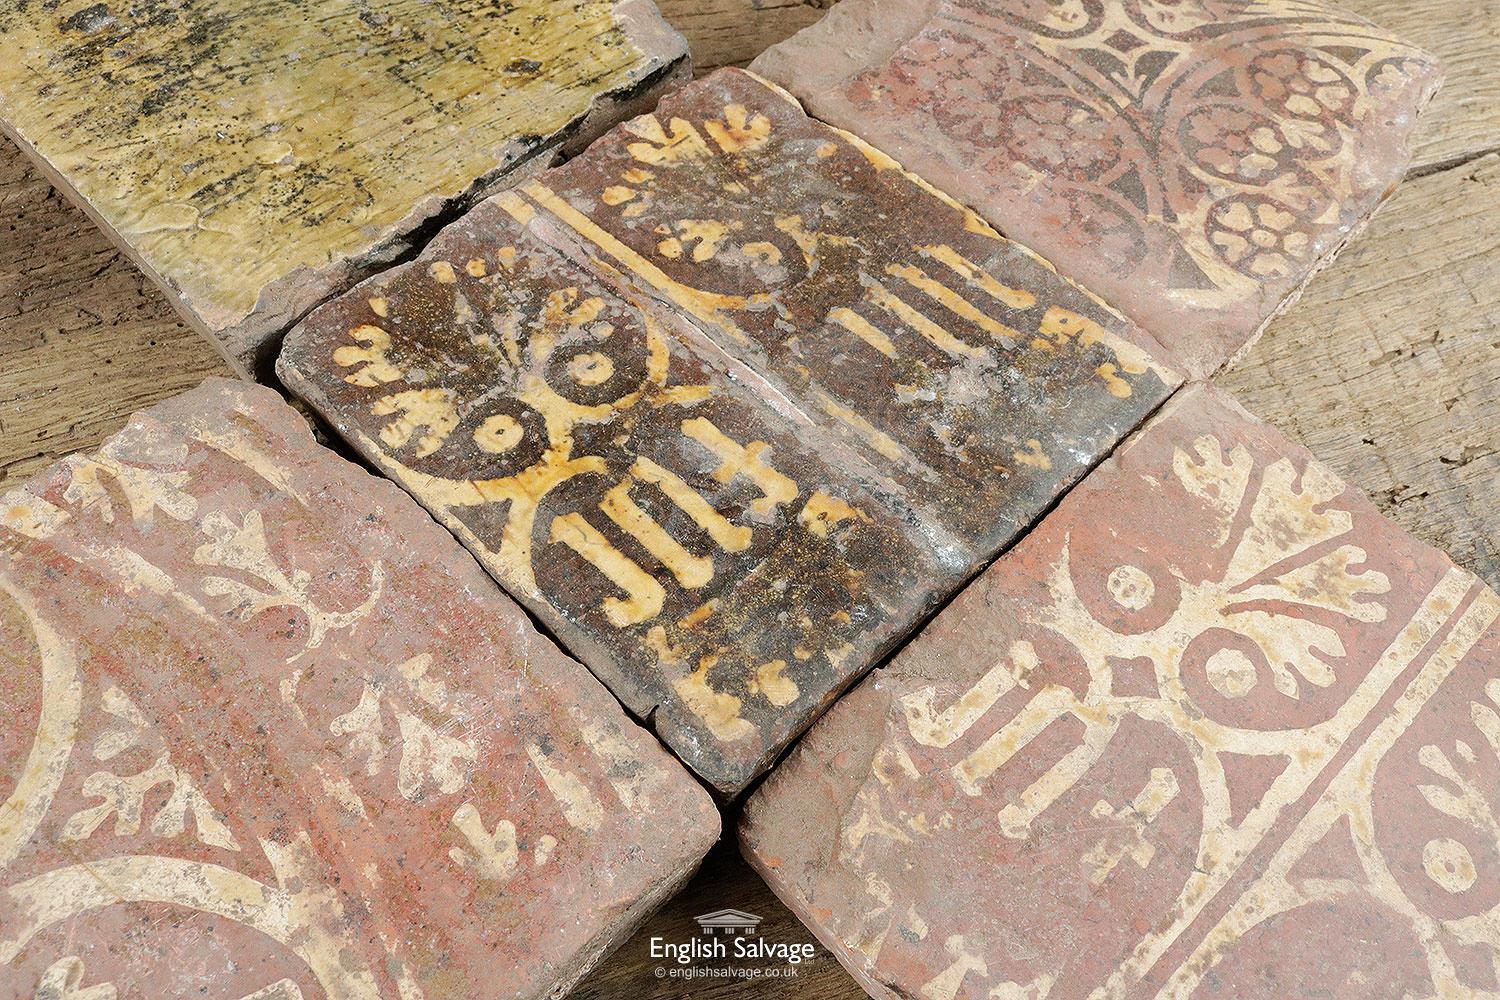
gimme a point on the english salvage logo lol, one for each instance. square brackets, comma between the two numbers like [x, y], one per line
[728, 922]
[730, 934]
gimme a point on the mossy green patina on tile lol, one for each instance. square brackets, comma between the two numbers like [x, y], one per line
[256, 157]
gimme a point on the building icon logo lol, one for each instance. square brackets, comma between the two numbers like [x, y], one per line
[728, 922]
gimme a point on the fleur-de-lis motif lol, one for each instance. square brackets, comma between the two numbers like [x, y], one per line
[124, 796]
[243, 547]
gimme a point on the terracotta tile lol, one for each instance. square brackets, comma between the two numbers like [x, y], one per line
[729, 401]
[1213, 713]
[271, 733]
[256, 158]
[1193, 162]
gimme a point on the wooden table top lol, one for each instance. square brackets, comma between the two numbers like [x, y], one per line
[1388, 369]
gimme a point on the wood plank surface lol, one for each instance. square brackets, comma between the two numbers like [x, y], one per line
[733, 32]
[85, 338]
[1389, 369]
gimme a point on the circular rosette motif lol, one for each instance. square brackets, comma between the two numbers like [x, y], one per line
[492, 437]
[1226, 673]
[508, 437]
[1058, 136]
[1243, 146]
[1303, 85]
[957, 79]
[1109, 225]
[598, 363]
[1259, 236]
[1124, 586]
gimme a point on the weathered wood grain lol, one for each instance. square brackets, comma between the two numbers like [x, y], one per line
[1389, 368]
[85, 338]
[733, 32]
[1465, 36]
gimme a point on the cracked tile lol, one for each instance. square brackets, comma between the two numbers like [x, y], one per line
[729, 401]
[1195, 163]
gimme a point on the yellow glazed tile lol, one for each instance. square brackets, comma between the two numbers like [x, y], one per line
[255, 158]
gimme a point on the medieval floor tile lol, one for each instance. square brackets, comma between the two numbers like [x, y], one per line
[269, 732]
[255, 158]
[1193, 162]
[1213, 714]
[729, 401]
[711, 553]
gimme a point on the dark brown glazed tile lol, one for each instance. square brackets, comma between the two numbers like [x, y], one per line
[729, 401]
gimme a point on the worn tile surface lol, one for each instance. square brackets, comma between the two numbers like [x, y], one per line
[729, 401]
[255, 158]
[1214, 729]
[271, 733]
[685, 535]
[1193, 161]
